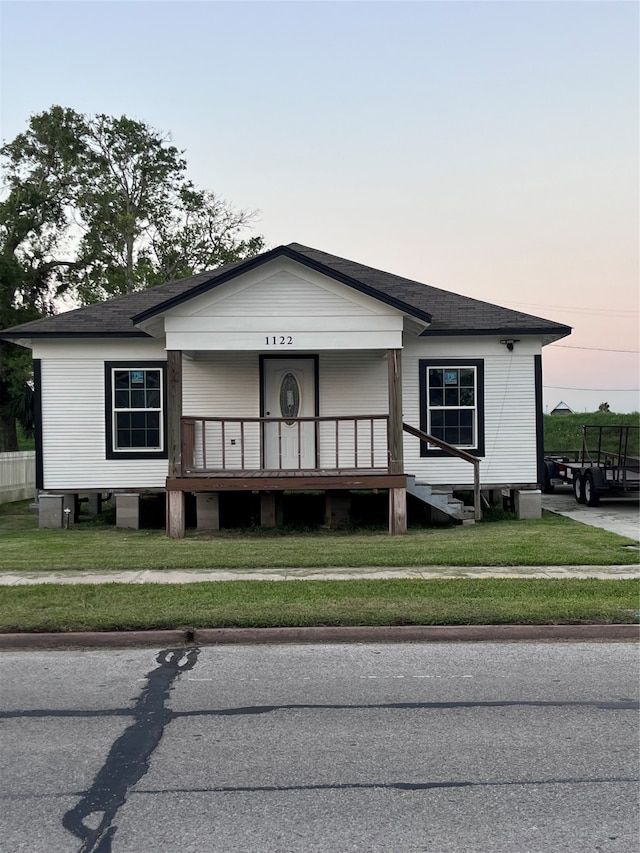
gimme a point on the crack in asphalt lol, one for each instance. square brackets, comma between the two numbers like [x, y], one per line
[347, 786]
[398, 786]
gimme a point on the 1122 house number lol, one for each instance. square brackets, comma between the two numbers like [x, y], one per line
[278, 340]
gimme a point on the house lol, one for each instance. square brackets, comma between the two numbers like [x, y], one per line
[562, 409]
[294, 370]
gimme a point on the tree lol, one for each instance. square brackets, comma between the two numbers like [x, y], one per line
[96, 206]
[604, 407]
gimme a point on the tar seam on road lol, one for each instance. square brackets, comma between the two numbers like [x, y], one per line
[621, 704]
[128, 759]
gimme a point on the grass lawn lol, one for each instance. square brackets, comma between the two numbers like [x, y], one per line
[92, 545]
[110, 607]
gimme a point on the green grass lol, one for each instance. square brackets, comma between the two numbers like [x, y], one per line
[563, 432]
[109, 607]
[553, 540]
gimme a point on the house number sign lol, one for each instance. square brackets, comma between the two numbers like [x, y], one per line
[278, 340]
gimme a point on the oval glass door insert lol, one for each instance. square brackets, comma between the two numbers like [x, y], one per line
[289, 397]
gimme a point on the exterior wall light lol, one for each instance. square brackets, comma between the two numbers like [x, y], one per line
[509, 343]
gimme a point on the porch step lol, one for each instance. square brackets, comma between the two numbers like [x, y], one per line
[441, 500]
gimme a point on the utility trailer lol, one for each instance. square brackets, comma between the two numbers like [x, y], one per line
[608, 465]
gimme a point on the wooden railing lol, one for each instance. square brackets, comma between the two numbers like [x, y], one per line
[252, 444]
[461, 454]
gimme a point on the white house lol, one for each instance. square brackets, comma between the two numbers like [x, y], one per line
[294, 370]
[562, 409]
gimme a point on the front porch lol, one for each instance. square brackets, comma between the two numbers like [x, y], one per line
[231, 454]
[271, 455]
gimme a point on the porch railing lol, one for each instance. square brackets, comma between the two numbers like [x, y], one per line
[461, 454]
[252, 444]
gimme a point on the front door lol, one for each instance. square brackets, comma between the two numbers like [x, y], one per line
[289, 392]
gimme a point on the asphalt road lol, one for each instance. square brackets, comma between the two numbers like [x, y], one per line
[412, 747]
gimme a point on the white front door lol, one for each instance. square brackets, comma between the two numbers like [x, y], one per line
[289, 392]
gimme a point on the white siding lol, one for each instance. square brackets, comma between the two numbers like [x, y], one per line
[73, 417]
[101, 349]
[509, 409]
[291, 293]
[221, 385]
[353, 384]
[281, 287]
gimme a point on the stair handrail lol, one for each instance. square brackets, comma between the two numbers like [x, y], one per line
[452, 450]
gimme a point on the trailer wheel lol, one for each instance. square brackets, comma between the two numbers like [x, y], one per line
[591, 496]
[578, 488]
[547, 486]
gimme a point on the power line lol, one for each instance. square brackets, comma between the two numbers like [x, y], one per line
[595, 349]
[605, 390]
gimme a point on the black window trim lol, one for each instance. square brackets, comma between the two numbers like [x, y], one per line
[133, 364]
[424, 364]
[37, 421]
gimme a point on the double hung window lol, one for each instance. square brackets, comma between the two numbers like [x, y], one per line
[135, 396]
[451, 396]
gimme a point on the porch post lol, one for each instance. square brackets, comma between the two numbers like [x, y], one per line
[397, 511]
[394, 429]
[175, 499]
[397, 497]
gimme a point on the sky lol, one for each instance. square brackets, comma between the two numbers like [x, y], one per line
[487, 148]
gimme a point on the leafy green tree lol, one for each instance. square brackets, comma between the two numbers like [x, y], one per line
[41, 170]
[97, 206]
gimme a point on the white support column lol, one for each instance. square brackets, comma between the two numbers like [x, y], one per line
[128, 510]
[208, 511]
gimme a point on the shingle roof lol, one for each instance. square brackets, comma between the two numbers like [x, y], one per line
[448, 313]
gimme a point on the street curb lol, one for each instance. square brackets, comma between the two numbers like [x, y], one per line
[324, 634]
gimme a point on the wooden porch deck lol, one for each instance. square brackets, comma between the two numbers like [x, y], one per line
[287, 480]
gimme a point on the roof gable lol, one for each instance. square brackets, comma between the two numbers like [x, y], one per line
[306, 258]
[280, 287]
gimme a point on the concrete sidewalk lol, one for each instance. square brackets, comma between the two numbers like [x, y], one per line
[283, 574]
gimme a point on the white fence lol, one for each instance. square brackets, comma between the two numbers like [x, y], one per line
[17, 476]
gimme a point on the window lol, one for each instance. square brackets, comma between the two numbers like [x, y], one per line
[452, 403]
[135, 417]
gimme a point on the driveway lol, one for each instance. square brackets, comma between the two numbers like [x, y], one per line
[619, 515]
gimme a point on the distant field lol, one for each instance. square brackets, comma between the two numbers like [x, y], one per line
[564, 432]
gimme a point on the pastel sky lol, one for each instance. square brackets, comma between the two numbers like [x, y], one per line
[489, 148]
